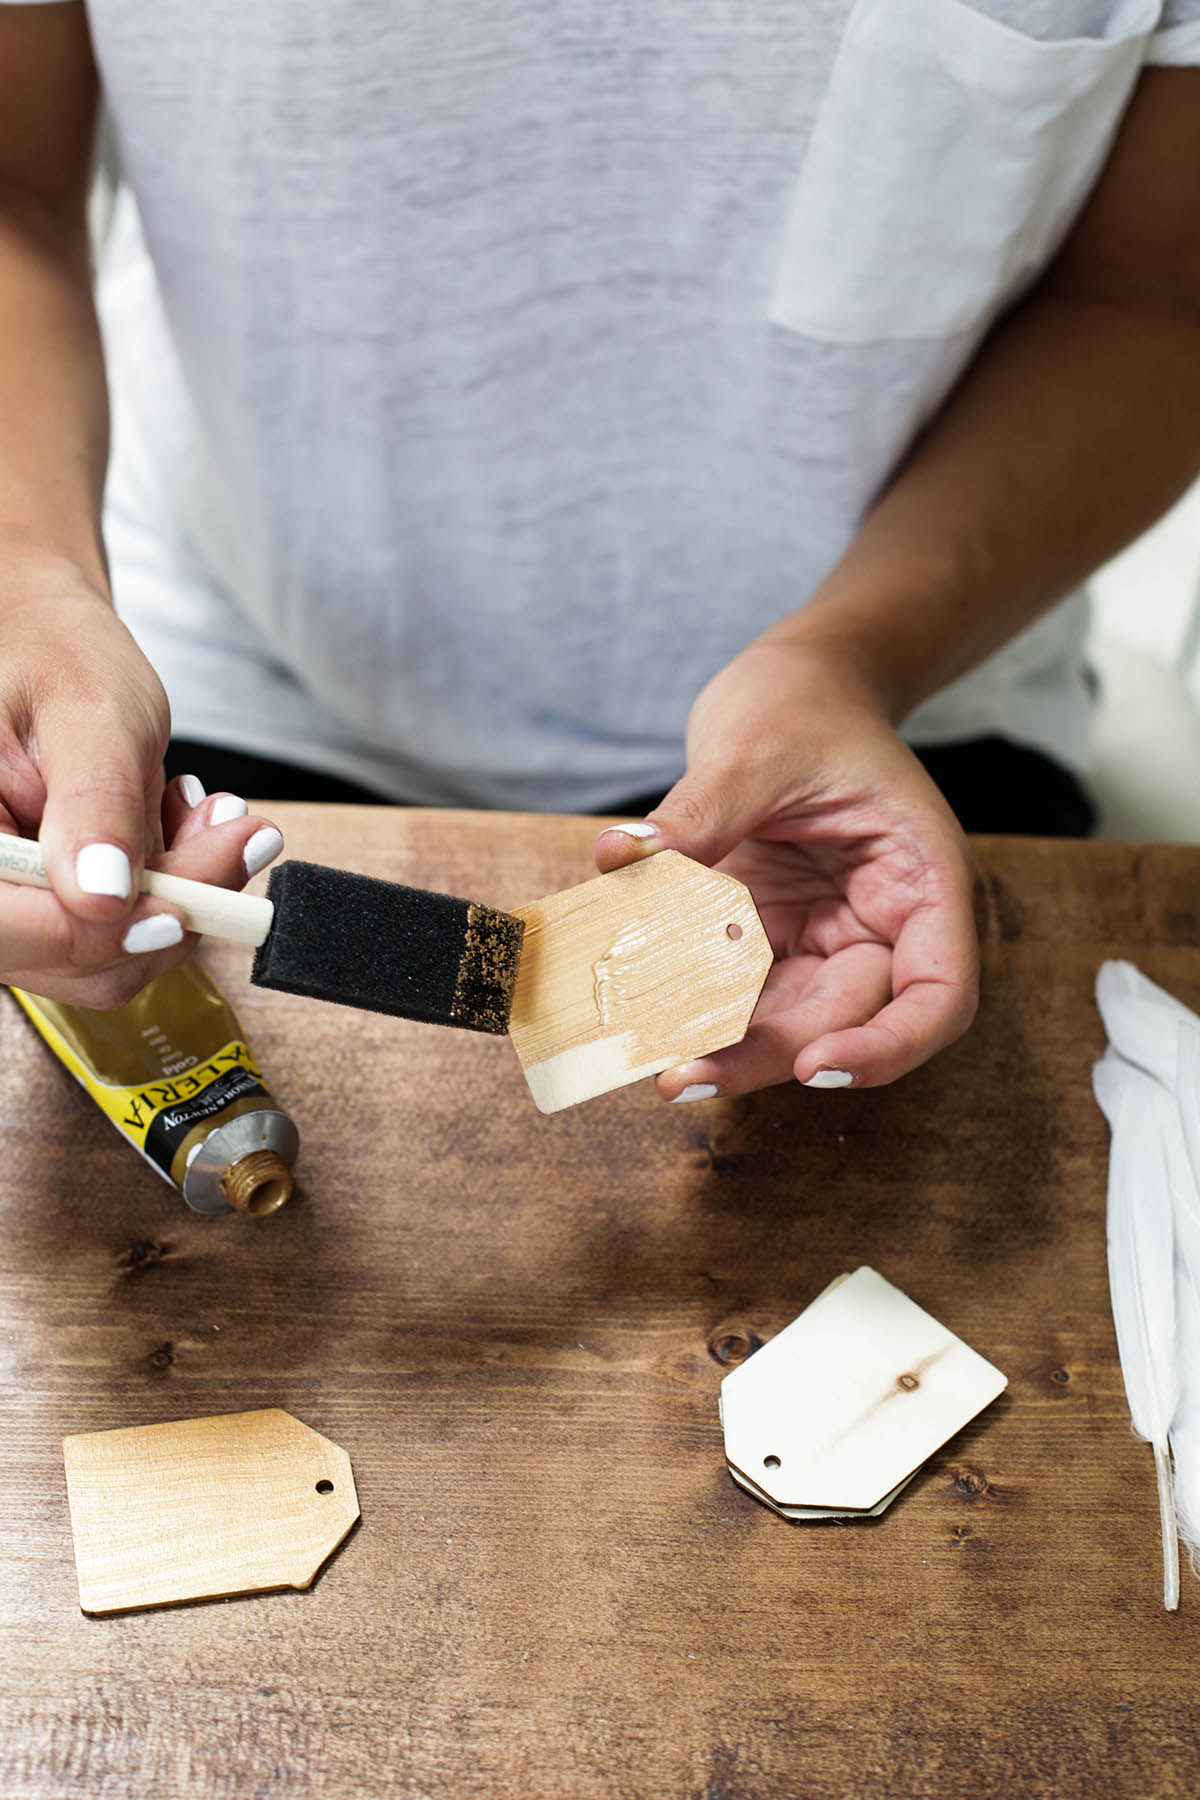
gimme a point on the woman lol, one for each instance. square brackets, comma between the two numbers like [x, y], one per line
[541, 389]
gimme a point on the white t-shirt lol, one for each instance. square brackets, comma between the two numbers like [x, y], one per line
[517, 361]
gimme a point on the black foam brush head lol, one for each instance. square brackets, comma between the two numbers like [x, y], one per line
[389, 948]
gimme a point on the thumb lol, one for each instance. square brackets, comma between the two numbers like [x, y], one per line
[706, 815]
[93, 833]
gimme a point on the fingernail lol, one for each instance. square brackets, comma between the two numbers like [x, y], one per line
[262, 848]
[647, 837]
[830, 1078]
[699, 1090]
[103, 869]
[158, 932]
[227, 807]
[192, 789]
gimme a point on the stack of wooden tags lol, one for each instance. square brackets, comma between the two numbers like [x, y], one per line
[833, 1417]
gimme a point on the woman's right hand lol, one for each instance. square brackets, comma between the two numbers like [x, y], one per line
[84, 725]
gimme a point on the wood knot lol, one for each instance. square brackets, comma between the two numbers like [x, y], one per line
[907, 1382]
[163, 1357]
[1062, 1376]
[142, 1255]
[712, 1158]
[732, 1347]
[960, 1534]
[971, 1482]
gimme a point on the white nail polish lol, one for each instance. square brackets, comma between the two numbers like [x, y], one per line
[638, 829]
[262, 848]
[699, 1090]
[192, 789]
[103, 869]
[830, 1078]
[158, 932]
[227, 807]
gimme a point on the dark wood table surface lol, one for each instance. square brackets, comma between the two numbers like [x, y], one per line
[516, 1327]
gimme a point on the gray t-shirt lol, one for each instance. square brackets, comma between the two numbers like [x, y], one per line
[498, 369]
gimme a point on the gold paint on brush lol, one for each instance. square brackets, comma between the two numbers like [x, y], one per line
[487, 972]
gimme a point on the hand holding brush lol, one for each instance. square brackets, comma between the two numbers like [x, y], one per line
[332, 935]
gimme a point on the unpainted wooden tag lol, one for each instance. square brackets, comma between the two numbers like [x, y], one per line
[802, 1514]
[834, 1416]
[202, 1508]
[623, 976]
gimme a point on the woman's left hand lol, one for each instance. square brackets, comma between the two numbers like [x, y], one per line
[798, 785]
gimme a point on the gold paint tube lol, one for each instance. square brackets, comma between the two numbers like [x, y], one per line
[173, 1073]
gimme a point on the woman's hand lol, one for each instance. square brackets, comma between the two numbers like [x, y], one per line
[1076, 424]
[83, 727]
[798, 785]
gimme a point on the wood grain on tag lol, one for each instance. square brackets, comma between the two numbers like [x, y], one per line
[630, 973]
[201, 1508]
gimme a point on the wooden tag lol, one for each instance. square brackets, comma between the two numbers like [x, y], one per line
[834, 1416]
[800, 1515]
[623, 976]
[204, 1507]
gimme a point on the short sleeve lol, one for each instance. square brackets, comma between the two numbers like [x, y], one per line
[1176, 43]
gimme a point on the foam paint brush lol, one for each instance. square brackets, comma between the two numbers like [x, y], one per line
[353, 939]
[615, 979]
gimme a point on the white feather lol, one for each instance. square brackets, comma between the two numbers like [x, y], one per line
[1141, 1019]
[1185, 1183]
[1185, 1428]
[1141, 1273]
[1187, 1094]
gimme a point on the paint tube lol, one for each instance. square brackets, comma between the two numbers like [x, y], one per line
[175, 1075]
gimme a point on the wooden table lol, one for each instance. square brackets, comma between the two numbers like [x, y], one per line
[516, 1326]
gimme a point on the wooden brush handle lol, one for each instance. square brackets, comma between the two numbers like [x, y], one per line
[217, 912]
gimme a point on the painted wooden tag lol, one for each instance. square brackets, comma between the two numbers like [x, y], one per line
[201, 1508]
[633, 972]
[835, 1415]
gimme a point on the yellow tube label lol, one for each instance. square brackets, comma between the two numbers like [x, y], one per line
[157, 1115]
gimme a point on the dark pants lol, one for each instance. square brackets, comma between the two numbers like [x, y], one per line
[992, 784]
